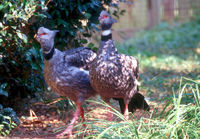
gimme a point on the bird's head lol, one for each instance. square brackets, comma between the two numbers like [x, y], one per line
[106, 20]
[46, 38]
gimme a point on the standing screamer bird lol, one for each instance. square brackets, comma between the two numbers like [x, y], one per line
[64, 73]
[115, 75]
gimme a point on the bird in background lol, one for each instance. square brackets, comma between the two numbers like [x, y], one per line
[115, 75]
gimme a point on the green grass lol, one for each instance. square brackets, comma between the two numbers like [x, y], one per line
[169, 60]
[165, 54]
[180, 119]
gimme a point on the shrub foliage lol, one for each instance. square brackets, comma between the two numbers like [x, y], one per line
[8, 120]
[20, 66]
[20, 56]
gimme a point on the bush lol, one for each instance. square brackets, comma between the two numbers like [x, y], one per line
[20, 57]
[20, 63]
[8, 120]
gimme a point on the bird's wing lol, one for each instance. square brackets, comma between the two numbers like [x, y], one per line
[131, 64]
[79, 57]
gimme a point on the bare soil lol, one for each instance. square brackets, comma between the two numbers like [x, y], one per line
[42, 120]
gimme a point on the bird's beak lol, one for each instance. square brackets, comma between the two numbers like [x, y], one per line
[56, 31]
[35, 36]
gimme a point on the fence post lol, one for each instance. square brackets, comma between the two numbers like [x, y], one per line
[153, 12]
[168, 9]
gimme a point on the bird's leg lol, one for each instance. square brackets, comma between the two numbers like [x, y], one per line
[79, 112]
[126, 114]
[110, 114]
[82, 116]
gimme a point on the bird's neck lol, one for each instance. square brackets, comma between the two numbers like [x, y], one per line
[107, 45]
[106, 35]
[48, 50]
[49, 55]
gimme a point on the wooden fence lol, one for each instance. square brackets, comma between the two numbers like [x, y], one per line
[148, 13]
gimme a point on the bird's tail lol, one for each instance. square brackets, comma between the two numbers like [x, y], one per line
[137, 102]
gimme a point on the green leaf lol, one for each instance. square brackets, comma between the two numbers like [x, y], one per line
[35, 66]
[66, 13]
[1, 7]
[87, 35]
[91, 45]
[122, 12]
[9, 16]
[87, 15]
[84, 41]
[63, 22]
[22, 37]
[4, 93]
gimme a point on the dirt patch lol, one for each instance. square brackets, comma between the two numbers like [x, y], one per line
[43, 120]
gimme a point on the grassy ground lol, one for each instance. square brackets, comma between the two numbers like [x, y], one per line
[166, 54]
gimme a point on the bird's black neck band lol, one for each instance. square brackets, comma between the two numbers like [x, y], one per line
[105, 38]
[49, 55]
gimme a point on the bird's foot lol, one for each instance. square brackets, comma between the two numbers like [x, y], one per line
[126, 113]
[110, 117]
[126, 116]
[110, 114]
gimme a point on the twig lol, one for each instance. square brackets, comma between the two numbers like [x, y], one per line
[55, 101]
[4, 28]
[47, 3]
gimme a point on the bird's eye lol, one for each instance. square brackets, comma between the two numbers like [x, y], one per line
[43, 34]
[104, 16]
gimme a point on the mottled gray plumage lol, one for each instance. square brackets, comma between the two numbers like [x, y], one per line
[64, 73]
[113, 75]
